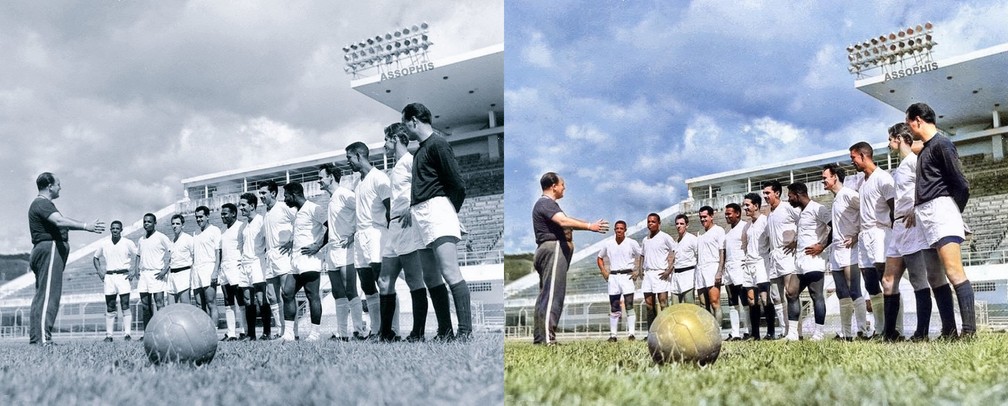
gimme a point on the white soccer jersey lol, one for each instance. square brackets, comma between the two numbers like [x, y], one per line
[371, 192]
[182, 251]
[400, 180]
[734, 252]
[686, 251]
[341, 215]
[152, 250]
[656, 250]
[846, 214]
[117, 256]
[813, 225]
[876, 189]
[757, 240]
[229, 245]
[253, 240]
[709, 246]
[309, 225]
[205, 245]
[780, 220]
[903, 179]
[277, 226]
[621, 255]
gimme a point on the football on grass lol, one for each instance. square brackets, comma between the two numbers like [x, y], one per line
[685, 333]
[180, 333]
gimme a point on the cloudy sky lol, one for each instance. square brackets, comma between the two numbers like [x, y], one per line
[628, 100]
[123, 99]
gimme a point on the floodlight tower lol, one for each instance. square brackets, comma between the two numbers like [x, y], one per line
[406, 46]
[909, 45]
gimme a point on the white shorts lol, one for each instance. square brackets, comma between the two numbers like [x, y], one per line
[301, 263]
[621, 284]
[905, 241]
[367, 247]
[704, 277]
[230, 273]
[653, 283]
[179, 282]
[754, 273]
[400, 241]
[251, 273]
[733, 273]
[199, 277]
[809, 263]
[841, 256]
[436, 218]
[940, 218]
[780, 263]
[117, 284]
[276, 264]
[872, 247]
[682, 281]
[337, 256]
[149, 283]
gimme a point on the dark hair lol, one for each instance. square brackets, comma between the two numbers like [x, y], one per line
[178, 216]
[921, 110]
[416, 110]
[114, 222]
[548, 180]
[151, 215]
[397, 131]
[294, 189]
[251, 199]
[358, 148]
[44, 180]
[204, 209]
[655, 215]
[271, 186]
[773, 185]
[734, 206]
[863, 148]
[708, 209]
[332, 170]
[798, 188]
[754, 198]
[682, 216]
[231, 207]
[618, 222]
[901, 131]
[836, 170]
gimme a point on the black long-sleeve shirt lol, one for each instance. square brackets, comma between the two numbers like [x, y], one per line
[939, 173]
[436, 173]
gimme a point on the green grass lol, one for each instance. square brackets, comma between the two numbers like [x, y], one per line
[765, 373]
[260, 373]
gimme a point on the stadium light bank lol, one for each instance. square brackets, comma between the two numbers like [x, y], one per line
[398, 53]
[898, 54]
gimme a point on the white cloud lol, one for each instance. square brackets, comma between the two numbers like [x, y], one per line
[537, 52]
[586, 132]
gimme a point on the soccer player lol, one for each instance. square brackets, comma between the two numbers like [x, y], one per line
[781, 266]
[117, 253]
[624, 260]
[683, 276]
[203, 277]
[229, 258]
[876, 195]
[734, 256]
[657, 249]
[755, 280]
[811, 239]
[277, 230]
[339, 253]
[400, 252]
[553, 255]
[251, 280]
[846, 217]
[153, 259]
[436, 197]
[48, 229]
[372, 204]
[309, 234]
[179, 277]
[710, 263]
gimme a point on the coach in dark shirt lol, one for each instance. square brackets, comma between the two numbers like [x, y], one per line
[49, 254]
[941, 195]
[553, 255]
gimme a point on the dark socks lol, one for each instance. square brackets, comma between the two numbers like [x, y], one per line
[923, 297]
[267, 319]
[250, 321]
[440, 301]
[387, 307]
[964, 292]
[460, 292]
[419, 297]
[891, 303]
[946, 310]
[754, 317]
[771, 319]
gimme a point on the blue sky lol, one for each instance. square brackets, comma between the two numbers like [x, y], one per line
[626, 100]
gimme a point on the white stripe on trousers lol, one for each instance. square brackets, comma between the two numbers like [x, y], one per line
[549, 304]
[48, 289]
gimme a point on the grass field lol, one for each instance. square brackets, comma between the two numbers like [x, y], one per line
[765, 373]
[260, 373]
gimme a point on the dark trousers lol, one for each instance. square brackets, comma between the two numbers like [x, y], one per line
[551, 262]
[48, 259]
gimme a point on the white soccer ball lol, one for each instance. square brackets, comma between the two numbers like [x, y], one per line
[685, 333]
[180, 333]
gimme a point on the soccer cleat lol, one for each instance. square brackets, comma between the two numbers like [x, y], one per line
[389, 339]
[243, 337]
[414, 338]
[127, 338]
[313, 337]
[108, 339]
[612, 339]
[918, 338]
[817, 336]
[631, 338]
[140, 339]
[264, 337]
[358, 336]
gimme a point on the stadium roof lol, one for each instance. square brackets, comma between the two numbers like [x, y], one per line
[964, 90]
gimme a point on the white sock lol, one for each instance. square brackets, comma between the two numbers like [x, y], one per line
[878, 311]
[342, 311]
[288, 334]
[109, 323]
[229, 317]
[861, 315]
[614, 324]
[374, 312]
[733, 315]
[818, 332]
[631, 321]
[357, 315]
[128, 322]
[781, 317]
[846, 309]
[277, 317]
[313, 329]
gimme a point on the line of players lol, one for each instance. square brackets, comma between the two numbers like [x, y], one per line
[404, 222]
[880, 225]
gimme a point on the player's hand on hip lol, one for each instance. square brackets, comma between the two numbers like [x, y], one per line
[406, 220]
[909, 220]
[287, 247]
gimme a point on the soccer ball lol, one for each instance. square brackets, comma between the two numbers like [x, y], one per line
[685, 333]
[180, 333]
